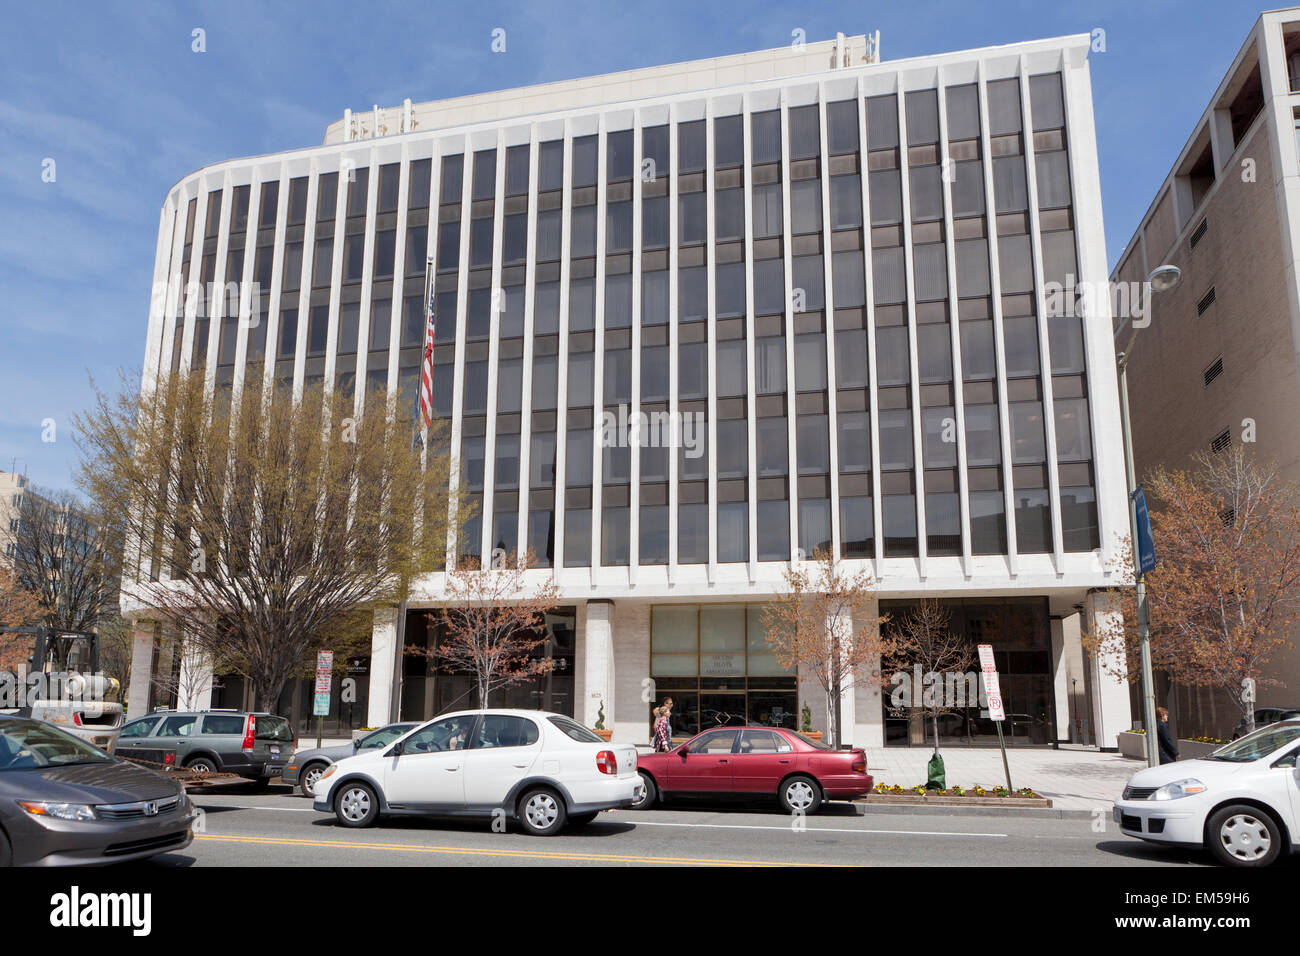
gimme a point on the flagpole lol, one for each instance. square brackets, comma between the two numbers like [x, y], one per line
[428, 332]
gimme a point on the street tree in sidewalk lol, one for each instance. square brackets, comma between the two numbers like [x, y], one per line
[824, 624]
[1226, 590]
[924, 644]
[266, 524]
[493, 624]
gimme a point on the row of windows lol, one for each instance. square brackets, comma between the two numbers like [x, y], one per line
[902, 336]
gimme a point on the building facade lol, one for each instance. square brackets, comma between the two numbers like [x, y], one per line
[695, 323]
[1219, 365]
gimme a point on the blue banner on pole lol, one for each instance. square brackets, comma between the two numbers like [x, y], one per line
[1146, 547]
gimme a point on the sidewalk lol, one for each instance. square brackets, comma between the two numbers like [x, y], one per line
[1071, 779]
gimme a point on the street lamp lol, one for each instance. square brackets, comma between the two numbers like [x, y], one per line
[1162, 279]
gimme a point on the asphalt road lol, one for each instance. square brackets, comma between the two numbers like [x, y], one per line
[279, 828]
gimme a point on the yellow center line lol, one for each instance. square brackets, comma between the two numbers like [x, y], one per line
[473, 851]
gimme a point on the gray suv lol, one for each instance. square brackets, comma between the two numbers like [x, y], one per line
[256, 746]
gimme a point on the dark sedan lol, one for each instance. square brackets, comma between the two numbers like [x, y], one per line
[64, 802]
[755, 763]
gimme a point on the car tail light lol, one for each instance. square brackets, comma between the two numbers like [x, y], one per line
[859, 763]
[169, 759]
[248, 733]
[606, 762]
[76, 718]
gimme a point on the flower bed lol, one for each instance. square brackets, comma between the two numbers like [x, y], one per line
[955, 796]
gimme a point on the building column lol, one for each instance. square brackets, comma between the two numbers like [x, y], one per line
[630, 675]
[1060, 682]
[195, 688]
[868, 716]
[598, 663]
[384, 661]
[1111, 714]
[143, 637]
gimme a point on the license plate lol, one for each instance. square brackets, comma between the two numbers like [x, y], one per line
[275, 750]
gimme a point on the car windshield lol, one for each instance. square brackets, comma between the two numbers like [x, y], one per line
[384, 736]
[26, 745]
[1259, 744]
[576, 730]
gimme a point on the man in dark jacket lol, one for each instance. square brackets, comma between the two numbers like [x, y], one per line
[1168, 746]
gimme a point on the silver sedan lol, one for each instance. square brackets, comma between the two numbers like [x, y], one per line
[307, 765]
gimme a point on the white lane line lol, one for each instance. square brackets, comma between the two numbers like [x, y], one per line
[233, 806]
[740, 826]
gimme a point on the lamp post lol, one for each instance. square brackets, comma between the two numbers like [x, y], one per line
[1161, 279]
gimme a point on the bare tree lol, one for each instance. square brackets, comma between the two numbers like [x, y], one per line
[923, 640]
[265, 528]
[824, 624]
[493, 624]
[1226, 590]
[69, 559]
[19, 607]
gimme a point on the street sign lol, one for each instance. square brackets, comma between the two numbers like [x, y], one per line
[324, 674]
[993, 694]
[1146, 546]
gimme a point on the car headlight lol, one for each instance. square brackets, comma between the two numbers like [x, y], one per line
[1179, 788]
[59, 811]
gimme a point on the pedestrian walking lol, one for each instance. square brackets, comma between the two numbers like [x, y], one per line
[663, 728]
[1165, 738]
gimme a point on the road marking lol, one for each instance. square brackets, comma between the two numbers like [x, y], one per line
[741, 826]
[473, 851]
[234, 806]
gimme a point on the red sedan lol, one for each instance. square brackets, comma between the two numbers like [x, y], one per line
[754, 761]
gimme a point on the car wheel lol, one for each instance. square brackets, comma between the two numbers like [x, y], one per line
[800, 794]
[204, 764]
[6, 852]
[582, 819]
[647, 795]
[309, 777]
[356, 805]
[1241, 835]
[541, 811]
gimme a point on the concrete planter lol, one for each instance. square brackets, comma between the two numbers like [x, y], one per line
[1134, 746]
[917, 800]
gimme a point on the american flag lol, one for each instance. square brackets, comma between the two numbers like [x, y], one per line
[426, 368]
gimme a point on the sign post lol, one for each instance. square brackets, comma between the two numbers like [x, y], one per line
[993, 693]
[321, 705]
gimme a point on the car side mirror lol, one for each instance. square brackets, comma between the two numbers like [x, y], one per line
[395, 750]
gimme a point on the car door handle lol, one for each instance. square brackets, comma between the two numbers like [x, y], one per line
[451, 769]
[720, 760]
[783, 760]
[522, 766]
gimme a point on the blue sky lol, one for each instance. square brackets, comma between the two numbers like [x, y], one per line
[113, 93]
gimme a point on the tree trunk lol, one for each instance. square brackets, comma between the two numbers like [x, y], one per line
[934, 721]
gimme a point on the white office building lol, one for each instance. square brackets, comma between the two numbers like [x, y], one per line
[830, 271]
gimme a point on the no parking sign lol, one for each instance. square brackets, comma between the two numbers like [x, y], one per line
[992, 690]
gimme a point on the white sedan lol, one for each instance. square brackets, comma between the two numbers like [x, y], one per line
[539, 769]
[1242, 802]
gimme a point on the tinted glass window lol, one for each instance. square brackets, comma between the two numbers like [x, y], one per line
[500, 730]
[231, 724]
[177, 726]
[715, 742]
[575, 730]
[452, 733]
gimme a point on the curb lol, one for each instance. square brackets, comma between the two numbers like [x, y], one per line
[1049, 813]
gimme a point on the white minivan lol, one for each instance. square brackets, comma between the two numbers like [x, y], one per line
[538, 768]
